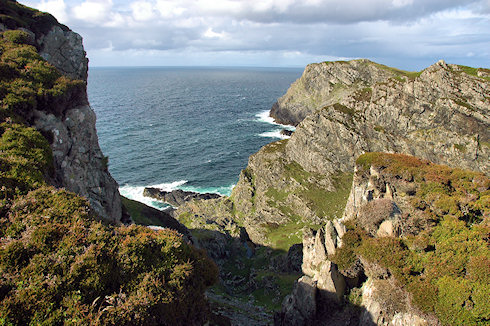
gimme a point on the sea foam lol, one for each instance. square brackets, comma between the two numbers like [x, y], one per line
[136, 193]
[274, 134]
[266, 118]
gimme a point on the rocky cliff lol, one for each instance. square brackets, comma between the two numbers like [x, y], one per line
[67, 121]
[344, 109]
[412, 253]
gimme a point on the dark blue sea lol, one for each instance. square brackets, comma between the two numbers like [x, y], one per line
[186, 128]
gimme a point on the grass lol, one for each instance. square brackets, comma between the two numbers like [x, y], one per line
[379, 129]
[460, 147]
[344, 109]
[474, 71]
[464, 104]
[141, 213]
[283, 236]
[363, 95]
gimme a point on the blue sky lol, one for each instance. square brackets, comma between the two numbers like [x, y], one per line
[408, 34]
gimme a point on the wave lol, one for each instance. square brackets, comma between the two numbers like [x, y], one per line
[223, 190]
[264, 117]
[274, 134]
[136, 192]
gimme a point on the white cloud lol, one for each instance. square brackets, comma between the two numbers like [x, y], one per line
[209, 33]
[55, 7]
[142, 10]
[93, 11]
[413, 32]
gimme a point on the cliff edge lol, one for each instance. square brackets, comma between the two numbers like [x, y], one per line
[440, 114]
[67, 121]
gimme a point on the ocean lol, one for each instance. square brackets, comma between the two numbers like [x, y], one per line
[184, 128]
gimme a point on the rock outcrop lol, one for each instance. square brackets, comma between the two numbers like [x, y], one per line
[343, 110]
[324, 84]
[177, 197]
[395, 199]
[69, 122]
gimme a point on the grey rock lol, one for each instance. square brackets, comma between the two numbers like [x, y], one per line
[330, 238]
[294, 258]
[64, 50]
[299, 308]
[79, 163]
[177, 197]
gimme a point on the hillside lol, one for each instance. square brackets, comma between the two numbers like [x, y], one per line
[440, 114]
[411, 249]
[290, 189]
[65, 255]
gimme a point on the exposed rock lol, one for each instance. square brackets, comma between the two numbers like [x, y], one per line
[294, 258]
[322, 84]
[69, 122]
[64, 50]
[330, 238]
[344, 109]
[329, 281]
[299, 308]
[286, 132]
[177, 197]
[389, 307]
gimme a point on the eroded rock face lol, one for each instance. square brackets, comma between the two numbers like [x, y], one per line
[324, 83]
[346, 109]
[64, 50]
[299, 308]
[69, 124]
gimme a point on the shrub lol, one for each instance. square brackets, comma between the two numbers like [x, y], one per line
[62, 260]
[445, 267]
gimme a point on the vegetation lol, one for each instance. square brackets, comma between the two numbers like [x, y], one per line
[446, 265]
[474, 71]
[58, 263]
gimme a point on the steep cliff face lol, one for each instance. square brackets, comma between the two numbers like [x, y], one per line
[440, 114]
[414, 231]
[68, 122]
[326, 83]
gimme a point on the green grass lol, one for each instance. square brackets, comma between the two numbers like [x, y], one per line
[379, 129]
[364, 94]
[276, 195]
[284, 283]
[344, 109]
[464, 104]
[278, 146]
[141, 213]
[474, 71]
[283, 236]
[460, 147]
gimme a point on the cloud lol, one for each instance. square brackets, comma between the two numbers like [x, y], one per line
[55, 7]
[406, 31]
[93, 11]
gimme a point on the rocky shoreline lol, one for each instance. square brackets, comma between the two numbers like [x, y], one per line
[177, 197]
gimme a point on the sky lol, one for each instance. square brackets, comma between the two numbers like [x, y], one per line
[407, 34]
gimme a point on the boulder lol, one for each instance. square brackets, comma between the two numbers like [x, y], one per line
[177, 197]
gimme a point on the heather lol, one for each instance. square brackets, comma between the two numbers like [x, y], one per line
[59, 262]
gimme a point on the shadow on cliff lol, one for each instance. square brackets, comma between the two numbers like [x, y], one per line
[308, 305]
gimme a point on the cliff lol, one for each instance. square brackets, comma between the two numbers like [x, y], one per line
[440, 114]
[67, 121]
[411, 249]
[65, 257]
